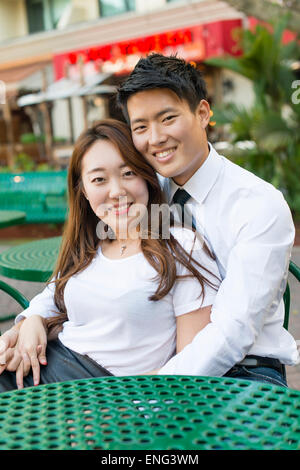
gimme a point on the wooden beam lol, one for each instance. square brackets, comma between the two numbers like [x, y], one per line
[70, 110]
[83, 98]
[47, 122]
[48, 131]
[32, 113]
[9, 132]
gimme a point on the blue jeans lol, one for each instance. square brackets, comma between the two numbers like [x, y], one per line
[258, 374]
[63, 364]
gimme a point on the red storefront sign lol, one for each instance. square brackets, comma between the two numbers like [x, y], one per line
[192, 44]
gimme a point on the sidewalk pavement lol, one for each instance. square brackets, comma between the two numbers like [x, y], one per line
[30, 289]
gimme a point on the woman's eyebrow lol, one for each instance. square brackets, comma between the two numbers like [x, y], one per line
[95, 169]
[103, 169]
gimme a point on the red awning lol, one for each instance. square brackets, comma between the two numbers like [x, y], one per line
[195, 43]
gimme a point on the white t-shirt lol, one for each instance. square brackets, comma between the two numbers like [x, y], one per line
[110, 316]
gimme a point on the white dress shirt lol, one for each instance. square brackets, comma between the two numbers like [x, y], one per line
[248, 226]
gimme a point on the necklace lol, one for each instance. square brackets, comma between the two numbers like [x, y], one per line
[124, 246]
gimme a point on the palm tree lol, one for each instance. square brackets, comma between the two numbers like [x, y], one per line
[267, 10]
[273, 121]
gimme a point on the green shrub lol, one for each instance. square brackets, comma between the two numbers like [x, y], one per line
[30, 138]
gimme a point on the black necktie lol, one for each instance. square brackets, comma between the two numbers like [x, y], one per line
[181, 197]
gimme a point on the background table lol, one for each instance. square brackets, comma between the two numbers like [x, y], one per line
[8, 218]
[33, 261]
[151, 412]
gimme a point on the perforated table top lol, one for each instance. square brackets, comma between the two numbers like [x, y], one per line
[32, 261]
[151, 413]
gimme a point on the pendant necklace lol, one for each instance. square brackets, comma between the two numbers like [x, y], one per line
[122, 249]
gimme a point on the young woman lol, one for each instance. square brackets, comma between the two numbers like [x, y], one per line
[128, 297]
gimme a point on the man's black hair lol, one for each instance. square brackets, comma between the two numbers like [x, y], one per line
[159, 71]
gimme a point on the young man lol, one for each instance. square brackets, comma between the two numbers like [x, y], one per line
[244, 220]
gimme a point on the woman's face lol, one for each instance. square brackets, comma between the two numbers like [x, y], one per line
[116, 194]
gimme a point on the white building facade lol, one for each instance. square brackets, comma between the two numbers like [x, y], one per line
[43, 41]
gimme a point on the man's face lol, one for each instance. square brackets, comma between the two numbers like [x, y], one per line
[167, 133]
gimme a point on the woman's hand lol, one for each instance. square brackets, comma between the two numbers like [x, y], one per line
[31, 345]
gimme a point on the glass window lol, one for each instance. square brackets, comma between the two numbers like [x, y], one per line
[115, 7]
[57, 8]
[35, 15]
[44, 15]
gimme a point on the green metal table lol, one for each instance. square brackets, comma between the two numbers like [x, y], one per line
[151, 413]
[8, 218]
[33, 261]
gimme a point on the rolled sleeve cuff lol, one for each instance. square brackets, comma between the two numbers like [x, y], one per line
[209, 354]
[34, 310]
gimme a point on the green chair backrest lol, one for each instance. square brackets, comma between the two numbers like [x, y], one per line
[15, 294]
[41, 195]
[45, 182]
[295, 270]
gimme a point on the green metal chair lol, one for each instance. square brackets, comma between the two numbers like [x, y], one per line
[15, 294]
[295, 270]
[41, 195]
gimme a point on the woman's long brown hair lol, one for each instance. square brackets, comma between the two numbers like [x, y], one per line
[80, 240]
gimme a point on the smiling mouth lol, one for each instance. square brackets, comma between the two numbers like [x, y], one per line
[165, 155]
[122, 209]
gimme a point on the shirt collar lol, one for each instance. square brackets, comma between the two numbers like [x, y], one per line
[202, 181]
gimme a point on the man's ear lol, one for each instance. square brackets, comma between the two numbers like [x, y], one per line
[203, 113]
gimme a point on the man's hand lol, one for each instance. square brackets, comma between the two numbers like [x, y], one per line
[9, 357]
[152, 372]
[12, 360]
